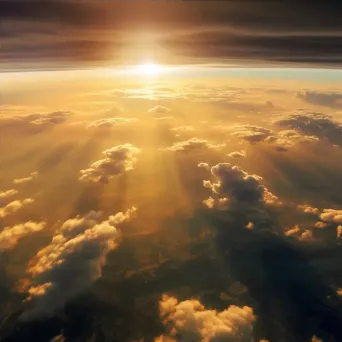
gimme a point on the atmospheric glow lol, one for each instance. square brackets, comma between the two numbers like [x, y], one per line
[149, 69]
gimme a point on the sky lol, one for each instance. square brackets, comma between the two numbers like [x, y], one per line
[170, 171]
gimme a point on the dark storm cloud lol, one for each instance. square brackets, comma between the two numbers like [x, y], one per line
[93, 32]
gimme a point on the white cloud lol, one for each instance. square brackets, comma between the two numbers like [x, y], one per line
[193, 144]
[190, 318]
[159, 110]
[109, 122]
[204, 166]
[14, 206]
[182, 129]
[237, 154]
[25, 179]
[10, 236]
[71, 262]
[118, 159]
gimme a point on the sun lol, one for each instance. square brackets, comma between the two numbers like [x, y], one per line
[149, 69]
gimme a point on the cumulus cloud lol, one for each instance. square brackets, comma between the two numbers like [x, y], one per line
[237, 154]
[190, 320]
[293, 231]
[250, 225]
[193, 144]
[315, 125]
[7, 193]
[328, 99]
[186, 128]
[25, 179]
[306, 236]
[14, 206]
[10, 236]
[159, 110]
[71, 262]
[251, 133]
[331, 215]
[308, 209]
[118, 159]
[109, 122]
[204, 166]
[320, 224]
[339, 231]
[232, 183]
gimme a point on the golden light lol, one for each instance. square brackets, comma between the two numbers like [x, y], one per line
[149, 69]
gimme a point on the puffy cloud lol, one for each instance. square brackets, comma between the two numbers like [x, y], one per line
[237, 154]
[26, 179]
[109, 122]
[190, 319]
[250, 225]
[331, 215]
[186, 128]
[251, 133]
[193, 144]
[8, 193]
[293, 231]
[314, 124]
[320, 224]
[14, 206]
[308, 209]
[204, 166]
[118, 159]
[235, 184]
[10, 236]
[306, 236]
[159, 110]
[71, 262]
[329, 99]
[339, 231]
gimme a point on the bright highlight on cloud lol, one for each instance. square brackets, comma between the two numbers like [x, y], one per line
[10, 236]
[118, 159]
[14, 206]
[234, 184]
[25, 179]
[193, 144]
[190, 320]
[71, 262]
